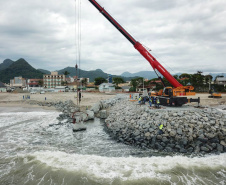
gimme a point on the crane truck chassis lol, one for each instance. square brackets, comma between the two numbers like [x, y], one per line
[177, 95]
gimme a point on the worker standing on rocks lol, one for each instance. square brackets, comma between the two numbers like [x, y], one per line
[160, 128]
[158, 103]
[140, 100]
[154, 101]
[150, 101]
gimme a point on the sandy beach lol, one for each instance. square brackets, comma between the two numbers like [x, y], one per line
[19, 100]
[88, 99]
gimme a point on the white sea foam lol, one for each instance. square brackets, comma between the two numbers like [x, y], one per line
[129, 168]
[7, 119]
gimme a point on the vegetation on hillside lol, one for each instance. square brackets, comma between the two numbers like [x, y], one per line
[19, 68]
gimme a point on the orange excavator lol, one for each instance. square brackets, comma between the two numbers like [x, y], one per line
[176, 95]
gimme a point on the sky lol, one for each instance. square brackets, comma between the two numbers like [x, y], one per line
[185, 36]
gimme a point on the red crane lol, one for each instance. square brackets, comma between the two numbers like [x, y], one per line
[178, 90]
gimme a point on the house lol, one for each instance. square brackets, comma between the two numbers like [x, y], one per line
[221, 81]
[72, 86]
[18, 82]
[2, 87]
[34, 83]
[146, 87]
[106, 87]
[125, 88]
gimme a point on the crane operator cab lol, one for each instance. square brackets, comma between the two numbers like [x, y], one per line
[167, 91]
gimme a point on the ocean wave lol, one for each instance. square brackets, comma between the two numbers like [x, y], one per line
[133, 168]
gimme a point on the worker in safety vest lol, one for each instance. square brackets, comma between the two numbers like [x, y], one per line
[158, 102]
[154, 101]
[140, 99]
[150, 101]
[160, 128]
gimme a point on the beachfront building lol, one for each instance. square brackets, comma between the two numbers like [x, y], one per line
[18, 82]
[53, 80]
[221, 81]
[34, 83]
[106, 87]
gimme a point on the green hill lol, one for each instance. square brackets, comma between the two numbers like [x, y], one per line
[19, 68]
[44, 71]
[90, 74]
[85, 74]
[6, 63]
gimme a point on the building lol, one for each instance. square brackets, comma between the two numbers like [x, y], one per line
[106, 87]
[72, 86]
[2, 87]
[149, 88]
[125, 88]
[221, 81]
[34, 83]
[53, 80]
[18, 82]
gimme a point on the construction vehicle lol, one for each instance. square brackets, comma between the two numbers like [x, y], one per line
[214, 94]
[175, 95]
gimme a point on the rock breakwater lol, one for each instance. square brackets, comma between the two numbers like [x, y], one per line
[186, 130]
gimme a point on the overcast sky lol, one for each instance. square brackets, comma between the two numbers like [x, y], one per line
[184, 35]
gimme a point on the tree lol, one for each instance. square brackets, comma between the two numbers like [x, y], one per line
[197, 81]
[40, 83]
[99, 80]
[118, 80]
[185, 75]
[208, 79]
[136, 82]
[66, 73]
[84, 81]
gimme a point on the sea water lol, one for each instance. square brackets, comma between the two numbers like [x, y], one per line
[34, 149]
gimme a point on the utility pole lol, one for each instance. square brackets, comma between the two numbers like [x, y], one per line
[143, 86]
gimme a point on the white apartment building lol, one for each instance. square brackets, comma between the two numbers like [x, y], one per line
[53, 80]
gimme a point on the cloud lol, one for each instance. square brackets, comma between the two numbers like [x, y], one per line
[186, 36]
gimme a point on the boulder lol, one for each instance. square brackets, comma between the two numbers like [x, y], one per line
[103, 114]
[90, 114]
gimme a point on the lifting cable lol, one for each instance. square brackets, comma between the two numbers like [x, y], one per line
[78, 38]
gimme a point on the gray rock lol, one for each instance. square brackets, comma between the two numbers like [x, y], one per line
[103, 114]
[136, 133]
[179, 131]
[220, 148]
[205, 149]
[90, 114]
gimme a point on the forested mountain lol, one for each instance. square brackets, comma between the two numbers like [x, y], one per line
[6, 63]
[19, 68]
[44, 71]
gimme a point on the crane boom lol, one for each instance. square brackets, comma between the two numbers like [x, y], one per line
[143, 51]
